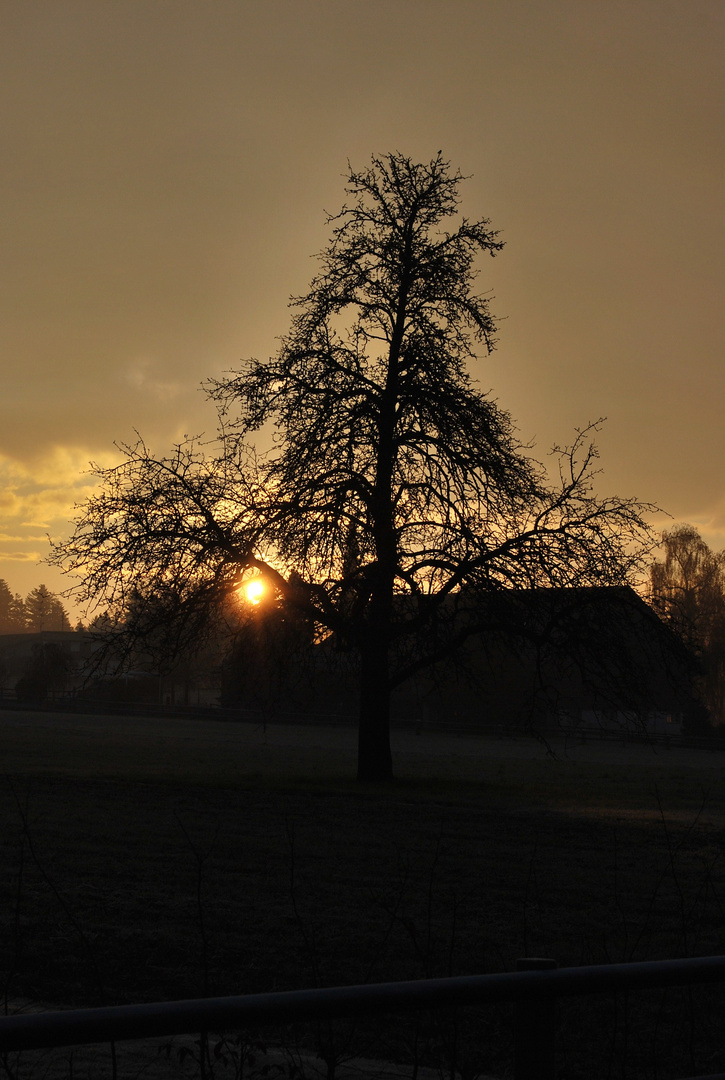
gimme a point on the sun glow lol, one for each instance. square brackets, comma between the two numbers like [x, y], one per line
[254, 591]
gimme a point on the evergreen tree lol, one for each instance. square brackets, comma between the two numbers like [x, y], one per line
[13, 618]
[44, 611]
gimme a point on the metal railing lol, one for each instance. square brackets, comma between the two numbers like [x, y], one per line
[533, 988]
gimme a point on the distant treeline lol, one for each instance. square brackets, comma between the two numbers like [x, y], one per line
[40, 610]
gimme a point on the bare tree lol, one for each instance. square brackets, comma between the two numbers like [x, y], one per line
[687, 589]
[396, 491]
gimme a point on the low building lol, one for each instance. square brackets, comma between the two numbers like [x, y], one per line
[562, 659]
[47, 663]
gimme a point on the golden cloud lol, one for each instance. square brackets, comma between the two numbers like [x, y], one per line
[38, 497]
[42, 494]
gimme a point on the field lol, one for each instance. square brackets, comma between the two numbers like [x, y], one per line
[148, 859]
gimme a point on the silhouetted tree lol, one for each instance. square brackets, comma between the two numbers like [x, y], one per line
[395, 489]
[269, 659]
[12, 611]
[687, 589]
[44, 611]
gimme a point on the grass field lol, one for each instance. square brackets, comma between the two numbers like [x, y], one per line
[148, 859]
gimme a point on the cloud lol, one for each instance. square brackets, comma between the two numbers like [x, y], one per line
[42, 494]
[37, 500]
[139, 374]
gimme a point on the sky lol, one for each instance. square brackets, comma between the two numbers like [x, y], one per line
[166, 169]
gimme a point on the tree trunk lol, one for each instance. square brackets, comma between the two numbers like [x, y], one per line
[374, 760]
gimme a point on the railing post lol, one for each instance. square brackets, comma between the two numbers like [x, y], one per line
[535, 1029]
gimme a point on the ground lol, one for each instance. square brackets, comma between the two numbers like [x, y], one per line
[157, 858]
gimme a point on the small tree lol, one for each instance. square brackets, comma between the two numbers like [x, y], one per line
[687, 589]
[396, 492]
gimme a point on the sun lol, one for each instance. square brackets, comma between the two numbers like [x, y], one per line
[254, 591]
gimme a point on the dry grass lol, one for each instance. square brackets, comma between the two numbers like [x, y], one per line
[485, 850]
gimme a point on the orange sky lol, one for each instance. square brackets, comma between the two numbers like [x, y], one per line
[165, 168]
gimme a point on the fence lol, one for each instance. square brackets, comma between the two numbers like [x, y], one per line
[533, 988]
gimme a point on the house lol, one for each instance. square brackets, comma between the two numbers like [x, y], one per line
[566, 659]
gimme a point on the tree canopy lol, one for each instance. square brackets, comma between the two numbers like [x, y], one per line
[396, 492]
